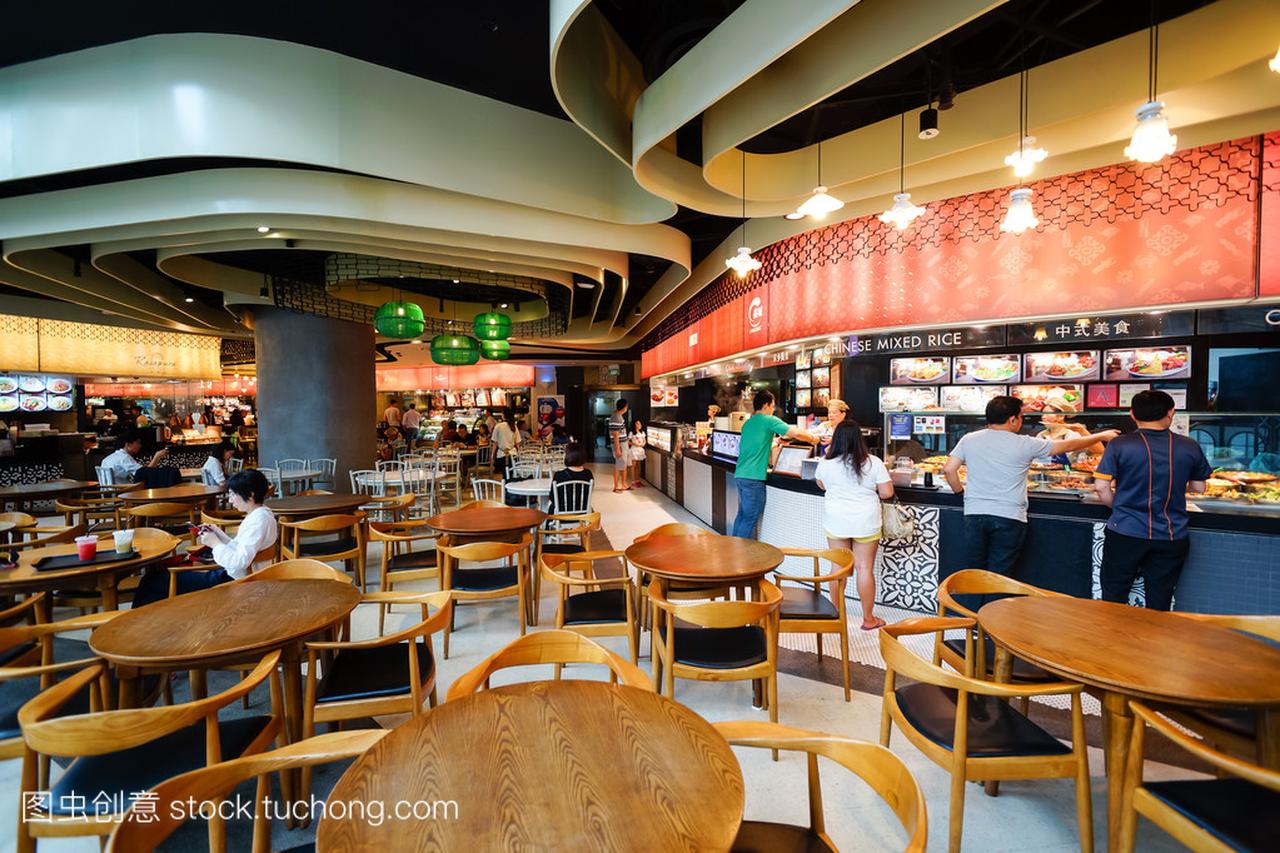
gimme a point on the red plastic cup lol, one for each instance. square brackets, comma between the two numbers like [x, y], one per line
[87, 547]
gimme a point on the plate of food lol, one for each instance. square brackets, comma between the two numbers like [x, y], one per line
[58, 385]
[1055, 366]
[32, 403]
[59, 404]
[1153, 364]
[8, 385]
[927, 370]
[1049, 398]
[1246, 478]
[991, 370]
[8, 404]
[31, 384]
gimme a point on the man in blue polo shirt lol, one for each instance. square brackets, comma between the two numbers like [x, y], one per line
[1144, 477]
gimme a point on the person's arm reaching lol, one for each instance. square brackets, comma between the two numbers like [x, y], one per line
[951, 470]
[801, 435]
[1071, 445]
[1197, 485]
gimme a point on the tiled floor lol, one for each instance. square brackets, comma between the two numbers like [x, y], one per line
[1037, 816]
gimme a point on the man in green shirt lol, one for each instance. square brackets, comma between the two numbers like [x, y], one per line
[754, 451]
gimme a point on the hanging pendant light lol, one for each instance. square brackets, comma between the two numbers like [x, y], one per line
[902, 212]
[496, 350]
[1151, 141]
[492, 326]
[455, 349]
[742, 263]
[1024, 160]
[820, 203]
[1021, 215]
[399, 320]
[1274, 64]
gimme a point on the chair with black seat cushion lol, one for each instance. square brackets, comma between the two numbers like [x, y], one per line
[606, 606]
[732, 641]
[962, 724]
[875, 765]
[145, 828]
[400, 562]
[485, 583]
[962, 593]
[118, 753]
[1238, 812]
[301, 540]
[805, 610]
[564, 533]
[387, 674]
[548, 647]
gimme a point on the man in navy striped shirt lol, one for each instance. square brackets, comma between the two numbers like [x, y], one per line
[1144, 477]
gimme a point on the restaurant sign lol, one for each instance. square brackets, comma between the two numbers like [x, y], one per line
[1243, 319]
[931, 340]
[1156, 324]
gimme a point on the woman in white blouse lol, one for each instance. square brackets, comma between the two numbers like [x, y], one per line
[234, 555]
[214, 472]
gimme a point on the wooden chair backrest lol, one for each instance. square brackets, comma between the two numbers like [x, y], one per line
[481, 552]
[841, 560]
[1262, 626]
[880, 768]
[720, 614]
[549, 647]
[148, 513]
[144, 830]
[59, 538]
[393, 531]
[481, 504]
[324, 523]
[220, 519]
[24, 611]
[159, 537]
[676, 528]
[308, 492]
[297, 570]
[1263, 776]
[19, 520]
[981, 581]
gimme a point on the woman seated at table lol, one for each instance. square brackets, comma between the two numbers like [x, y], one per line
[214, 472]
[482, 434]
[233, 556]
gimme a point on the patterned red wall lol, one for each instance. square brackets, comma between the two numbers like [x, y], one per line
[1125, 236]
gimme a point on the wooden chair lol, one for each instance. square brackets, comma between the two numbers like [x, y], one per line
[488, 490]
[145, 829]
[805, 610]
[265, 555]
[227, 520]
[561, 527]
[482, 504]
[960, 723]
[675, 528]
[605, 608]
[979, 582]
[118, 753]
[885, 772]
[309, 492]
[24, 524]
[734, 641]
[60, 536]
[388, 674]
[295, 570]
[485, 584]
[548, 647]
[1238, 812]
[170, 517]
[349, 547]
[97, 514]
[1231, 730]
[410, 565]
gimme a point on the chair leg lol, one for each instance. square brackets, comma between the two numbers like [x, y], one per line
[957, 808]
[844, 660]
[1084, 801]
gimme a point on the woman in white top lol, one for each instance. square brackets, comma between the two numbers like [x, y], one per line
[214, 472]
[635, 453]
[505, 439]
[855, 482]
[234, 556]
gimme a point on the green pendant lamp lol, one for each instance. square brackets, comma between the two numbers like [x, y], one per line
[455, 349]
[399, 320]
[492, 326]
[496, 350]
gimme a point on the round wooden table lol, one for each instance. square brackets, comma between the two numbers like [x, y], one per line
[1122, 652]
[104, 577]
[486, 521]
[572, 765]
[705, 559]
[25, 494]
[307, 506]
[187, 493]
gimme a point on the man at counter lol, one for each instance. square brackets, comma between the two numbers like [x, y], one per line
[1144, 477]
[123, 464]
[411, 420]
[754, 450]
[995, 495]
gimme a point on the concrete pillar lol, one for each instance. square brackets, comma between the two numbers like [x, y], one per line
[316, 390]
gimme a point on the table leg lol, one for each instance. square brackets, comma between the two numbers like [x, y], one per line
[1118, 725]
[129, 678]
[291, 665]
[1269, 738]
[199, 684]
[109, 588]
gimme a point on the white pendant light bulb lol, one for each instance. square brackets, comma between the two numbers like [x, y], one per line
[742, 263]
[1274, 64]
[1151, 141]
[1024, 160]
[819, 204]
[1021, 215]
[901, 213]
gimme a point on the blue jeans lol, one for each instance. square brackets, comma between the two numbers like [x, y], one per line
[751, 495]
[154, 584]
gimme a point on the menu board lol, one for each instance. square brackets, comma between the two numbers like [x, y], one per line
[802, 379]
[922, 370]
[908, 399]
[821, 377]
[1148, 363]
[1077, 365]
[791, 460]
[1131, 390]
[803, 399]
[802, 360]
[672, 397]
[1103, 396]
[969, 398]
[482, 397]
[724, 445]
[1049, 398]
[984, 369]
[659, 437]
[36, 393]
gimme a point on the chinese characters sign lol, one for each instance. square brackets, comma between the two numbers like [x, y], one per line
[1080, 329]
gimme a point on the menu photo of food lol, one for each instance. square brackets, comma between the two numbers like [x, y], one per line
[969, 398]
[821, 396]
[802, 379]
[821, 357]
[657, 394]
[802, 360]
[8, 384]
[31, 384]
[1050, 398]
[1059, 366]
[60, 403]
[925, 370]
[908, 399]
[32, 403]
[8, 403]
[672, 396]
[984, 369]
[482, 397]
[821, 377]
[58, 385]
[802, 398]
[1149, 363]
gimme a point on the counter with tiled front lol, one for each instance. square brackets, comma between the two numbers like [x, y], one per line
[1233, 567]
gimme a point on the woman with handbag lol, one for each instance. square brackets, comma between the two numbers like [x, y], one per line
[855, 482]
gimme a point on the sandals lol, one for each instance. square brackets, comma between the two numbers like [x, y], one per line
[880, 623]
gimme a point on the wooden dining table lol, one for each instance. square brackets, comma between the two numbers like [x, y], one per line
[486, 521]
[187, 493]
[571, 765]
[25, 494]
[1120, 653]
[104, 577]
[309, 506]
[711, 560]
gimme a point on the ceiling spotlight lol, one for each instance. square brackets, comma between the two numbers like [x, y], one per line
[1021, 215]
[263, 229]
[504, 305]
[455, 281]
[793, 215]
[928, 123]
[1151, 141]
[587, 285]
[188, 299]
[415, 341]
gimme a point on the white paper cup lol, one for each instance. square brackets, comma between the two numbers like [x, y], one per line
[124, 540]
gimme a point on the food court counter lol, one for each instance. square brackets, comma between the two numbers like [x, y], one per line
[1233, 567]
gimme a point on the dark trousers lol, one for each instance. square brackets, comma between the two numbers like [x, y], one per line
[993, 543]
[154, 584]
[1158, 561]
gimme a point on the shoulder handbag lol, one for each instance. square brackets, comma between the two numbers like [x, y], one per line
[896, 522]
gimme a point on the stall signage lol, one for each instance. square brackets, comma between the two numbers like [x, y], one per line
[755, 318]
[899, 426]
[1246, 318]
[1116, 327]
[932, 340]
[930, 425]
